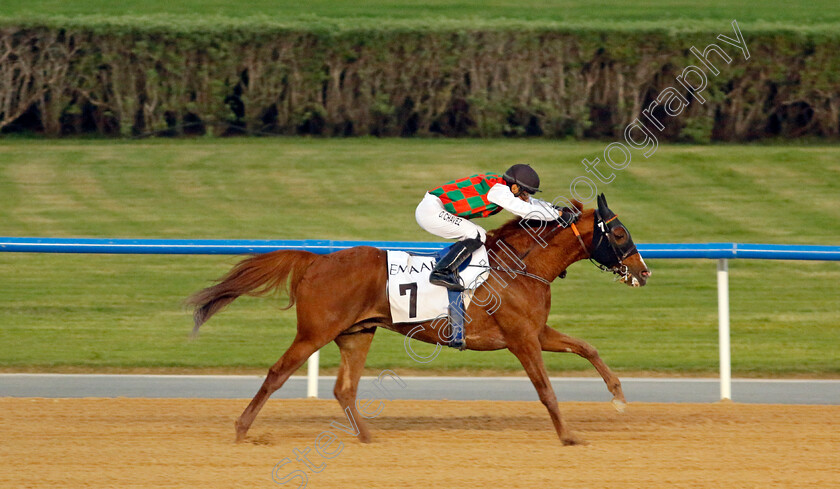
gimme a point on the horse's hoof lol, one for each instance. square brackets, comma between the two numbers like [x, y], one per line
[240, 433]
[619, 406]
[572, 440]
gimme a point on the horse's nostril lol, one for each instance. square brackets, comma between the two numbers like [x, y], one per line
[646, 273]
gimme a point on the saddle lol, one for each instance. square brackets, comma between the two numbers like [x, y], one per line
[413, 299]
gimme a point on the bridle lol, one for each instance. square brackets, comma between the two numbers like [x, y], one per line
[606, 254]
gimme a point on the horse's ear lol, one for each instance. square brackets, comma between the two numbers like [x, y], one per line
[603, 209]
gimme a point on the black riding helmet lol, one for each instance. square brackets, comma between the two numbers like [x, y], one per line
[524, 176]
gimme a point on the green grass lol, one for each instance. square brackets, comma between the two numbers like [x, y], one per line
[102, 311]
[616, 10]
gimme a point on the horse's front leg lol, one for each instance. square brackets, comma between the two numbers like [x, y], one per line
[529, 354]
[552, 340]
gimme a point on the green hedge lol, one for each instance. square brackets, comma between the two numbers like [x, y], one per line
[135, 75]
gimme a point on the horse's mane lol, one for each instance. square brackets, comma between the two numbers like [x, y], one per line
[514, 229]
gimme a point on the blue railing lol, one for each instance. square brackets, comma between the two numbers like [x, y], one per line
[722, 252]
[238, 247]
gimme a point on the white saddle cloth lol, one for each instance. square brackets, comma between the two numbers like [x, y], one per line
[413, 299]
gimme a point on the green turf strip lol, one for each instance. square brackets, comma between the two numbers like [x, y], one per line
[616, 10]
[125, 311]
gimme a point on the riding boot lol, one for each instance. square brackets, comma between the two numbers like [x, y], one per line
[445, 272]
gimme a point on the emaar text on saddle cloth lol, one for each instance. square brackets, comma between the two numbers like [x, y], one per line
[397, 269]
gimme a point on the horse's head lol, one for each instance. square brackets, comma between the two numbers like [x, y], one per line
[613, 248]
[607, 243]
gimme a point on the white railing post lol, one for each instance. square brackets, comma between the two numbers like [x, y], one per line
[723, 329]
[312, 375]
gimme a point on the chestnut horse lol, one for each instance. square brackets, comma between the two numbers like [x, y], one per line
[342, 297]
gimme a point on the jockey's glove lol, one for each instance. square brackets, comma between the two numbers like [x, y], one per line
[567, 216]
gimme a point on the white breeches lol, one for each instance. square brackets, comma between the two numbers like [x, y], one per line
[434, 218]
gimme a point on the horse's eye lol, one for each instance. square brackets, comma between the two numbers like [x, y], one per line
[620, 234]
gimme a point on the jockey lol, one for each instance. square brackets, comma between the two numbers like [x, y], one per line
[445, 211]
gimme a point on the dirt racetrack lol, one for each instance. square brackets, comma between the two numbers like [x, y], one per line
[141, 443]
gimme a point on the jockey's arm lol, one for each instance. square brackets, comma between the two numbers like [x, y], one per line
[501, 195]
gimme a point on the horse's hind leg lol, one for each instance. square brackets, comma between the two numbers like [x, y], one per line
[530, 355]
[552, 340]
[354, 349]
[298, 352]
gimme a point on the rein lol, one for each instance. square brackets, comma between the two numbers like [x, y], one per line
[606, 233]
[521, 257]
[580, 240]
[544, 238]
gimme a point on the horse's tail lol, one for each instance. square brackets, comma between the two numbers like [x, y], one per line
[254, 276]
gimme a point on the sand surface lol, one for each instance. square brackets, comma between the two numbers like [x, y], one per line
[145, 443]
